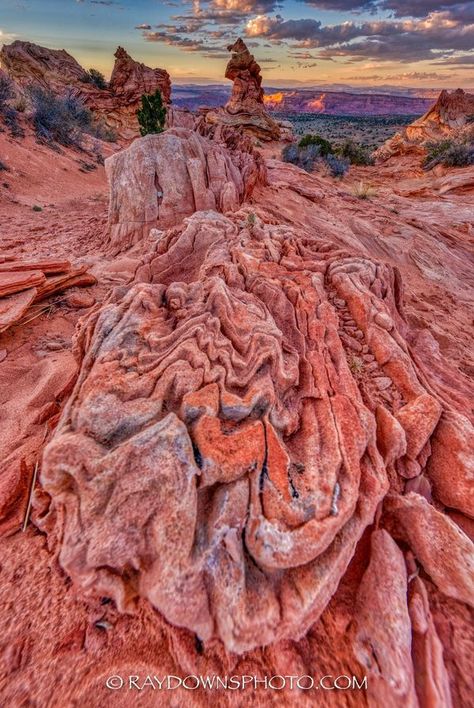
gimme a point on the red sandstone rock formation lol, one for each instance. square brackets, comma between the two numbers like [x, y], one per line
[53, 69]
[243, 70]
[160, 179]
[449, 114]
[220, 458]
[131, 79]
[245, 109]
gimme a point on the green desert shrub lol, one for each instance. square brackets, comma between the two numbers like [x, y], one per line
[449, 152]
[63, 119]
[355, 153]
[152, 115]
[325, 147]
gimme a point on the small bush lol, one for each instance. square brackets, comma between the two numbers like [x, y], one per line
[10, 118]
[6, 90]
[309, 155]
[95, 77]
[338, 165]
[37, 208]
[152, 115]
[356, 154]
[325, 147]
[450, 153]
[63, 119]
[251, 220]
[290, 153]
[356, 365]
[20, 104]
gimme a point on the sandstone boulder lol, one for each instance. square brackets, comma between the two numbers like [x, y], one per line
[160, 179]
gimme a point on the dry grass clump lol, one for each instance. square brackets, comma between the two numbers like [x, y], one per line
[363, 190]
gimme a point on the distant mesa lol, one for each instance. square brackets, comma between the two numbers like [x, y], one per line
[349, 103]
[449, 114]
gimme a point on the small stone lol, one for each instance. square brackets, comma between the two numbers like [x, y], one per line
[80, 300]
[3, 354]
[383, 320]
[408, 468]
[383, 382]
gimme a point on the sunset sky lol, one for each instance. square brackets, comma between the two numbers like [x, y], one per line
[425, 43]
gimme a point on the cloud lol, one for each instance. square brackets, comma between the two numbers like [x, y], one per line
[464, 59]
[398, 8]
[440, 33]
[301, 55]
[343, 5]
[417, 8]
[187, 44]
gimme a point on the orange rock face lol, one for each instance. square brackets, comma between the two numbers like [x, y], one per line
[219, 459]
[245, 109]
[160, 179]
[449, 114]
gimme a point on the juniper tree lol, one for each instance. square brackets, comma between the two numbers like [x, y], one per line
[151, 116]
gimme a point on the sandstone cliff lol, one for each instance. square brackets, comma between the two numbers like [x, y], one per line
[58, 71]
